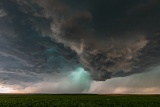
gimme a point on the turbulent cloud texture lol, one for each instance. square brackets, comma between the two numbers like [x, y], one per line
[109, 39]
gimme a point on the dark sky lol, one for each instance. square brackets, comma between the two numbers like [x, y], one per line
[108, 38]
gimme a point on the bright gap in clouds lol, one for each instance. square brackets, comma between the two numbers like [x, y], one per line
[6, 89]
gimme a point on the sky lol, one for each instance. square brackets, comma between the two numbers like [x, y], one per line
[82, 46]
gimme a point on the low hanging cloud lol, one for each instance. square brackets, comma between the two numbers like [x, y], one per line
[76, 81]
[134, 84]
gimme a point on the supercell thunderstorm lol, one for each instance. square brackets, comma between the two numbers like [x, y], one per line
[39, 38]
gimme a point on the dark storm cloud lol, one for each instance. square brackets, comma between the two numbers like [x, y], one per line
[25, 55]
[121, 16]
[104, 36]
[109, 38]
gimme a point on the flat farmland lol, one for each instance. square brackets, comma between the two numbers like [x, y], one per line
[78, 100]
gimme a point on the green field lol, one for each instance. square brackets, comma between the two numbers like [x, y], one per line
[40, 100]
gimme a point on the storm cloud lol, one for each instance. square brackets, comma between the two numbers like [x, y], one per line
[109, 39]
[106, 52]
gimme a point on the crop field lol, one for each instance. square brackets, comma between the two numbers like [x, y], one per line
[35, 100]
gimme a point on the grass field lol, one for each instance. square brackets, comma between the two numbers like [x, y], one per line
[41, 100]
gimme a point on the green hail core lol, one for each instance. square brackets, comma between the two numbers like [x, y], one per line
[80, 79]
